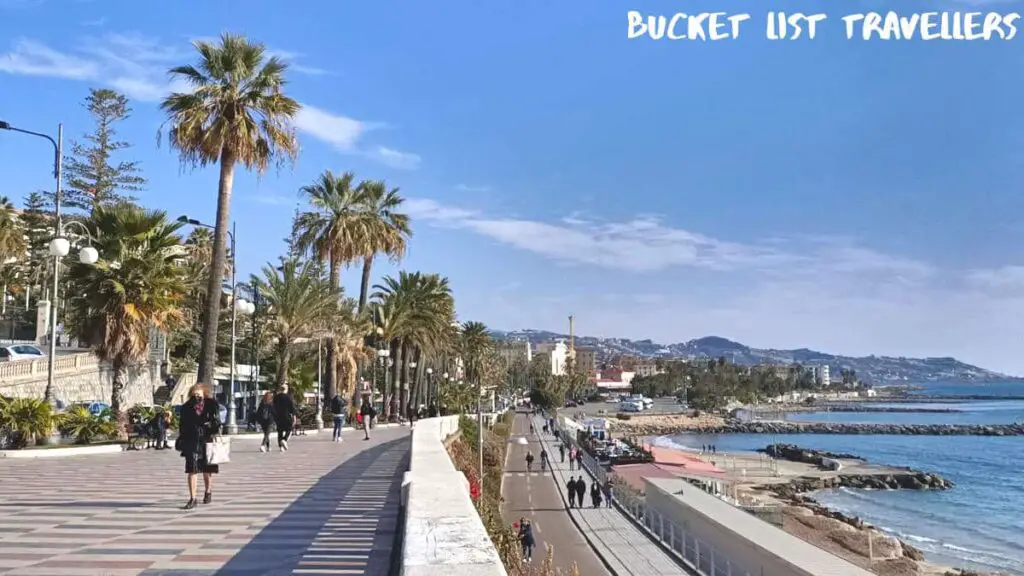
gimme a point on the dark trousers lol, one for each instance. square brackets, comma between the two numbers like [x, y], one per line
[266, 435]
[283, 434]
[339, 421]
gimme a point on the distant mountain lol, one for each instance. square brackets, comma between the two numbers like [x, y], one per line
[876, 369]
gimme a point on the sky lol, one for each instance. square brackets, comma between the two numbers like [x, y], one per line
[846, 196]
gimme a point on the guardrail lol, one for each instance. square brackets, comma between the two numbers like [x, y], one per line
[443, 533]
[698, 555]
[27, 369]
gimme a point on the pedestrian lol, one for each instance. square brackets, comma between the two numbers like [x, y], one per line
[543, 460]
[561, 452]
[714, 449]
[367, 412]
[595, 495]
[703, 447]
[579, 460]
[265, 419]
[411, 410]
[284, 416]
[581, 490]
[526, 539]
[338, 404]
[572, 459]
[608, 493]
[200, 422]
[570, 489]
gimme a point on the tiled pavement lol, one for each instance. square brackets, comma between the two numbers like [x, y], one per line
[320, 508]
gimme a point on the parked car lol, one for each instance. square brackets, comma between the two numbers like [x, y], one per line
[20, 352]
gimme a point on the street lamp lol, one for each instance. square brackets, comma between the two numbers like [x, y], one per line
[430, 371]
[232, 425]
[412, 388]
[58, 146]
[382, 354]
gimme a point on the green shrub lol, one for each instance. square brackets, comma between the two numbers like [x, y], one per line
[24, 420]
[86, 427]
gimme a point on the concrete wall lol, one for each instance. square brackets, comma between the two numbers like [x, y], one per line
[747, 544]
[77, 378]
[444, 535]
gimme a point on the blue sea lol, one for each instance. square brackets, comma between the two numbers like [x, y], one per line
[978, 524]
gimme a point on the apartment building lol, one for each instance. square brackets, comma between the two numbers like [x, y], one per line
[515, 350]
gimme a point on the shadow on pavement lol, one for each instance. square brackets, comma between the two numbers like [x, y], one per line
[355, 533]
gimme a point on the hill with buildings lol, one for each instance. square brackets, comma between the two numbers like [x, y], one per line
[875, 369]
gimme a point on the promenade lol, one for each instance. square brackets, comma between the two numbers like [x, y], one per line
[620, 543]
[534, 495]
[320, 508]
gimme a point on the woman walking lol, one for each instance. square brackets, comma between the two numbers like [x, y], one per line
[200, 422]
[265, 419]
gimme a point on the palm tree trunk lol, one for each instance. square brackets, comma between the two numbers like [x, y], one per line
[396, 372]
[118, 379]
[284, 357]
[403, 402]
[364, 286]
[417, 389]
[332, 349]
[208, 348]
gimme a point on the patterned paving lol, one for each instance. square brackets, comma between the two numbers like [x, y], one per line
[320, 508]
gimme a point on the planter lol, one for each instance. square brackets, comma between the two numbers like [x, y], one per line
[62, 452]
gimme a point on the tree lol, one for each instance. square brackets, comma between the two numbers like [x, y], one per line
[138, 284]
[387, 230]
[13, 244]
[236, 113]
[332, 230]
[93, 177]
[37, 221]
[474, 344]
[301, 305]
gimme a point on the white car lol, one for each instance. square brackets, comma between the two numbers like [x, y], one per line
[20, 352]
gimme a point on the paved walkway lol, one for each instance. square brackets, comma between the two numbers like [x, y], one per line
[320, 508]
[619, 542]
[533, 495]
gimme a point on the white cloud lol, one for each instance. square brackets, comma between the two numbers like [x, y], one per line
[137, 65]
[1003, 278]
[395, 158]
[473, 189]
[275, 200]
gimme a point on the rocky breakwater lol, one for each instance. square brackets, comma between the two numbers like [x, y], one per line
[785, 427]
[795, 453]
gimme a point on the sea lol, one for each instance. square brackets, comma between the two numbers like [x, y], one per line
[979, 524]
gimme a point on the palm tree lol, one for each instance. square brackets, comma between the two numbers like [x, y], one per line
[138, 284]
[300, 305]
[236, 113]
[417, 312]
[387, 230]
[12, 234]
[332, 230]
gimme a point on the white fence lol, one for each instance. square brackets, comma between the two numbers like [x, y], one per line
[28, 369]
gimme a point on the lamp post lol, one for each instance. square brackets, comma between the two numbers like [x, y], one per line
[232, 426]
[60, 247]
[319, 418]
[430, 371]
[382, 354]
[412, 388]
[58, 147]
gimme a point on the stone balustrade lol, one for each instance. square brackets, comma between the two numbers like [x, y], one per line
[18, 370]
[443, 533]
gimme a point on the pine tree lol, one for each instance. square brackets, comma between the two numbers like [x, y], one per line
[92, 176]
[37, 218]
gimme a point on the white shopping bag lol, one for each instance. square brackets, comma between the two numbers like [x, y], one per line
[218, 451]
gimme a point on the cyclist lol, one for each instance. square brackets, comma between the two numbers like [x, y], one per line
[543, 460]
[531, 427]
[529, 461]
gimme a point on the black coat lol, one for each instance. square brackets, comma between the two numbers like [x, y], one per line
[284, 411]
[195, 430]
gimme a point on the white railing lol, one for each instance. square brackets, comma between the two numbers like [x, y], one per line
[443, 532]
[28, 369]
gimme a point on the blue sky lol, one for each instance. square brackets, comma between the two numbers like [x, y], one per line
[847, 196]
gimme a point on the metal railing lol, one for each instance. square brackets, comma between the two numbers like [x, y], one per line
[698, 555]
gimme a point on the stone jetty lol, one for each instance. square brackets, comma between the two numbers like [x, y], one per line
[786, 427]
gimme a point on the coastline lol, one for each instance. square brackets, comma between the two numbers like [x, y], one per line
[668, 424]
[789, 489]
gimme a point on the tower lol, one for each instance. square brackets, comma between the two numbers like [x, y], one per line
[572, 345]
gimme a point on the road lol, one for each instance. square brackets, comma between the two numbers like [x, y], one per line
[533, 495]
[667, 405]
[320, 508]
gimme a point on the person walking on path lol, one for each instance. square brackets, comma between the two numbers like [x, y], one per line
[284, 416]
[595, 495]
[561, 452]
[526, 539]
[338, 413]
[543, 460]
[200, 422]
[411, 415]
[570, 489]
[581, 490]
[579, 460]
[367, 412]
[529, 461]
[608, 493]
[265, 419]
[572, 459]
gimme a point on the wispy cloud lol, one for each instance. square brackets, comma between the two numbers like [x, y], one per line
[479, 189]
[96, 23]
[275, 200]
[137, 65]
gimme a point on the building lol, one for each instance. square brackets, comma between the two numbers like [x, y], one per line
[586, 360]
[559, 359]
[646, 367]
[515, 350]
[821, 375]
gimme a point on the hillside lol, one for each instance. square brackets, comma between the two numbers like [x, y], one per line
[876, 369]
